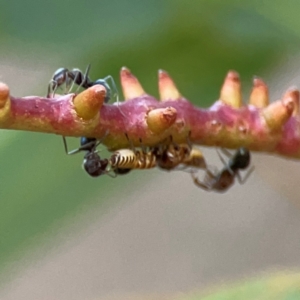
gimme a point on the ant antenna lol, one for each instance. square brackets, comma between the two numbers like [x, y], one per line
[226, 165]
[102, 139]
[143, 147]
[188, 140]
[79, 148]
[129, 141]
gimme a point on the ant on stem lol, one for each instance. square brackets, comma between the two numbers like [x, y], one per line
[220, 181]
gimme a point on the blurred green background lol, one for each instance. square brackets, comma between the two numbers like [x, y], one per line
[42, 190]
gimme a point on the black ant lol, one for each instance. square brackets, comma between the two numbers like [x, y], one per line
[222, 180]
[92, 162]
[76, 76]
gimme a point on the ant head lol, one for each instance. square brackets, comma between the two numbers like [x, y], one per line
[242, 158]
[94, 165]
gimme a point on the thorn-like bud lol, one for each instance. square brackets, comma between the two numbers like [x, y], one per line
[130, 85]
[5, 102]
[231, 90]
[277, 113]
[89, 102]
[4, 94]
[167, 87]
[294, 94]
[160, 119]
[259, 96]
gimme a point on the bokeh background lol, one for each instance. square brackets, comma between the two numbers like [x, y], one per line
[151, 234]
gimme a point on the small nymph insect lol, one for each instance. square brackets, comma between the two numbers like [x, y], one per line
[170, 155]
[132, 158]
[221, 181]
[127, 159]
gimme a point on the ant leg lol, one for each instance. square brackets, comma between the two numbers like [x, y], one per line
[164, 144]
[188, 140]
[52, 87]
[226, 152]
[73, 82]
[114, 87]
[85, 81]
[101, 140]
[199, 183]
[108, 91]
[211, 173]
[243, 180]
[143, 147]
[83, 147]
[130, 142]
[142, 158]
[75, 150]
[66, 147]
[223, 160]
[86, 78]
[115, 91]
[68, 83]
[110, 172]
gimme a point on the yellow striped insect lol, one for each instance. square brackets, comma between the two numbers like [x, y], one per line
[132, 159]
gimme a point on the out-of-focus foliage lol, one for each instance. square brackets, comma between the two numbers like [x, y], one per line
[196, 42]
[275, 287]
